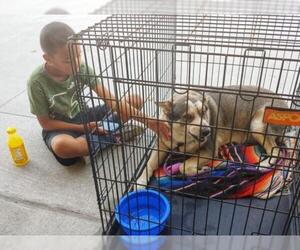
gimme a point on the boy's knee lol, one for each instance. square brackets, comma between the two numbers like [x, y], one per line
[60, 146]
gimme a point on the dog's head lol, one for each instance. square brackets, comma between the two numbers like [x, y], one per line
[188, 115]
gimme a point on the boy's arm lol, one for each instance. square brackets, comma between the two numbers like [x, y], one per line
[50, 124]
[127, 111]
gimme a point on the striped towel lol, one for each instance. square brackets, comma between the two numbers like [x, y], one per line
[237, 174]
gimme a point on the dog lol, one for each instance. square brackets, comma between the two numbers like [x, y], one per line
[202, 122]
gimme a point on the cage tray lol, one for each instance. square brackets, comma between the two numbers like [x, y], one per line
[250, 216]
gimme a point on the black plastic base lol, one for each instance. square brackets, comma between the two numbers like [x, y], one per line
[228, 217]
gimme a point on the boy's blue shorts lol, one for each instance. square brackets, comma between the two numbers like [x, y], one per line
[99, 113]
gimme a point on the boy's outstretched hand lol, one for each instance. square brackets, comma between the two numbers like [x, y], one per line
[160, 128]
[95, 129]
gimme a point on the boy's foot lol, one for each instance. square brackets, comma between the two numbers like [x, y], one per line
[86, 160]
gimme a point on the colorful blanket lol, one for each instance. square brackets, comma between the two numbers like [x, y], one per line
[238, 174]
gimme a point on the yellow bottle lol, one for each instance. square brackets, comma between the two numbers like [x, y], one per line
[17, 148]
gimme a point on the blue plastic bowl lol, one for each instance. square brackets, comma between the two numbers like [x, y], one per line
[143, 212]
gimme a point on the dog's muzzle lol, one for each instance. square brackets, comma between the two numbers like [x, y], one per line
[204, 133]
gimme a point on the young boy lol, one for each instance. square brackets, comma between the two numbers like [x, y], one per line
[52, 97]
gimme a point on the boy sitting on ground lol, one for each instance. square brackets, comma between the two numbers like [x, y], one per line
[52, 96]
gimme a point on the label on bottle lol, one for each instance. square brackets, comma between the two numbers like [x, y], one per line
[19, 155]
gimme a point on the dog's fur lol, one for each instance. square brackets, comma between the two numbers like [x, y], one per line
[201, 123]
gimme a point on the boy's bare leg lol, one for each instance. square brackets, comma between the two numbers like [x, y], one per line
[66, 146]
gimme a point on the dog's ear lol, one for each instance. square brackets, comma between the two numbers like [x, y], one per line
[205, 99]
[202, 104]
[166, 106]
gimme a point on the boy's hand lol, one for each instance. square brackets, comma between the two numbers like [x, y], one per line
[95, 129]
[160, 128]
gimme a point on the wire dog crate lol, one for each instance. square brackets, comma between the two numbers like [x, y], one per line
[157, 56]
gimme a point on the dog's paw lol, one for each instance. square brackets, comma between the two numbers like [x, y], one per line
[268, 162]
[193, 170]
[205, 169]
[273, 156]
[139, 187]
[143, 180]
[188, 170]
[141, 183]
[273, 160]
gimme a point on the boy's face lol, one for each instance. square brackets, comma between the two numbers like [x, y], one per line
[60, 61]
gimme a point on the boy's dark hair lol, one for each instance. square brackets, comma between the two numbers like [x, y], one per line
[54, 36]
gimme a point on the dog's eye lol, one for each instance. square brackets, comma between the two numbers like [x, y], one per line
[173, 116]
[188, 117]
[204, 109]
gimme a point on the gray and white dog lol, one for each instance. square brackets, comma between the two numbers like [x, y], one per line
[202, 122]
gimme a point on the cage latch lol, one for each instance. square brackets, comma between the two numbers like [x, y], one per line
[102, 43]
